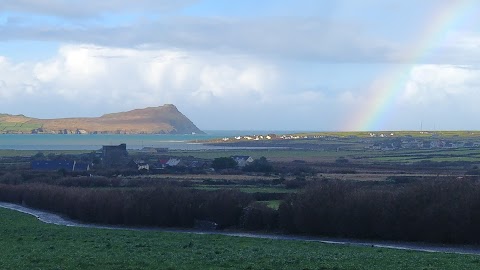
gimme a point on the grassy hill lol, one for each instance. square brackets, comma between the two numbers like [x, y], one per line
[17, 124]
[153, 120]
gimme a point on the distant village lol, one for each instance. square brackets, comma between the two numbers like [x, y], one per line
[373, 141]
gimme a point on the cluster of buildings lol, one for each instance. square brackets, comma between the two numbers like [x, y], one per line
[267, 137]
[251, 138]
[117, 157]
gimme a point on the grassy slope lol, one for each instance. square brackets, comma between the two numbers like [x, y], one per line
[17, 124]
[165, 118]
[26, 243]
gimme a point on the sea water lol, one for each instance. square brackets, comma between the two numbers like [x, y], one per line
[137, 141]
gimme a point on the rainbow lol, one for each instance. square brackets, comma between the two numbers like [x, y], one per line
[384, 94]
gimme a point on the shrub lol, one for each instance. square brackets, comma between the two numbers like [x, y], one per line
[258, 216]
[259, 165]
[222, 163]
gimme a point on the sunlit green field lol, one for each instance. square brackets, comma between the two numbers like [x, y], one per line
[26, 243]
[18, 127]
[268, 153]
[360, 156]
[274, 204]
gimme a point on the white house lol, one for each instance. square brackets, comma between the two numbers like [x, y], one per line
[242, 161]
[141, 165]
[172, 162]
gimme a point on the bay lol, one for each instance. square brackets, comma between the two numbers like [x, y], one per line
[133, 141]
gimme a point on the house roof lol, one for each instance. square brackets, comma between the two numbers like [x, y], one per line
[163, 161]
[55, 165]
[52, 165]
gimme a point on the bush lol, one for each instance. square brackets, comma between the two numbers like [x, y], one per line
[259, 165]
[11, 178]
[298, 182]
[258, 216]
[222, 163]
[223, 207]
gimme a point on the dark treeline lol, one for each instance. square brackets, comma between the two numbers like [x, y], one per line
[160, 206]
[446, 211]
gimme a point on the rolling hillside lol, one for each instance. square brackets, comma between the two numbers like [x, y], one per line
[153, 120]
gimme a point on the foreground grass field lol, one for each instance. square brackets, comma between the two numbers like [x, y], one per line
[26, 243]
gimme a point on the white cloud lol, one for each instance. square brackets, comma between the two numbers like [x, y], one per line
[440, 96]
[105, 78]
[369, 37]
[219, 90]
[17, 77]
[214, 90]
[306, 39]
[378, 33]
[456, 48]
[430, 84]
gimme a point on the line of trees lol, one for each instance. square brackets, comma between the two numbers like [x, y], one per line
[432, 211]
[167, 205]
[445, 211]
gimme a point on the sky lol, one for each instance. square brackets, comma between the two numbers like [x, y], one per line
[317, 65]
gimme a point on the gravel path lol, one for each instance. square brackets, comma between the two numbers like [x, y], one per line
[56, 219]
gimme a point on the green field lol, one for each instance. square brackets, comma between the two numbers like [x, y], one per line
[274, 204]
[268, 153]
[25, 127]
[26, 243]
[292, 154]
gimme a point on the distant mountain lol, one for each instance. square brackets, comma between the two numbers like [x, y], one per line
[164, 119]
